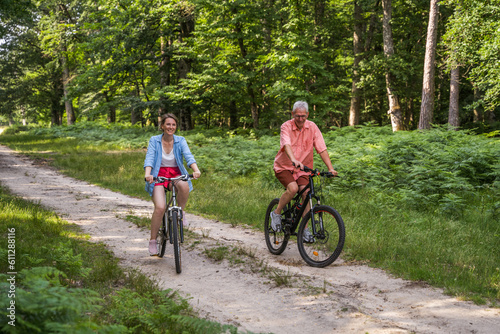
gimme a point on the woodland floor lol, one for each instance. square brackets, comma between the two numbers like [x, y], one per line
[342, 298]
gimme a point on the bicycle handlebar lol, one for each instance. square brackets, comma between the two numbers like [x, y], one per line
[161, 179]
[316, 171]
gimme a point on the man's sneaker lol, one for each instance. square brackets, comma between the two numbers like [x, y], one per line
[275, 221]
[153, 250]
[307, 237]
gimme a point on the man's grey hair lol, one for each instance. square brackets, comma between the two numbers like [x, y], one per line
[300, 105]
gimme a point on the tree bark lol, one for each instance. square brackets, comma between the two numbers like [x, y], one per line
[355, 110]
[186, 25]
[68, 104]
[453, 115]
[371, 29]
[111, 108]
[427, 107]
[394, 107]
[165, 65]
[478, 110]
[233, 115]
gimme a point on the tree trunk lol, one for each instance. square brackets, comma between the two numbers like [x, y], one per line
[165, 66]
[111, 108]
[233, 115]
[453, 116]
[478, 110]
[372, 26]
[427, 107]
[136, 114]
[68, 104]
[253, 107]
[394, 107]
[319, 16]
[186, 24]
[354, 111]
[57, 95]
[54, 109]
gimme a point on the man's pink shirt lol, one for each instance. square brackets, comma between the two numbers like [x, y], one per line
[303, 143]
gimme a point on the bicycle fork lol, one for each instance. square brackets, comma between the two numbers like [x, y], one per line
[179, 220]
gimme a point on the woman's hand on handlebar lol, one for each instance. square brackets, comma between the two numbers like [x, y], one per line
[149, 178]
[196, 175]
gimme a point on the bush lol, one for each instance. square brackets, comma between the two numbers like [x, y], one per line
[44, 305]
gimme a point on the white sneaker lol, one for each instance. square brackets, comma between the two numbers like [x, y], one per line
[153, 250]
[275, 221]
[307, 236]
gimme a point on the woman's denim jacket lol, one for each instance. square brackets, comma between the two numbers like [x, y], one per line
[153, 158]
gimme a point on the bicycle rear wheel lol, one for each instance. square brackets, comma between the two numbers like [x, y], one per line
[276, 241]
[161, 238]
[328, 237]
[176, 241]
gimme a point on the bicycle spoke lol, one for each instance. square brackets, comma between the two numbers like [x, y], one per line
[176, 241]
[161, 239]
[327, 240]
[276, 241]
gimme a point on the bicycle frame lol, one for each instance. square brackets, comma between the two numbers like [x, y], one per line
[290, 208]
[169, 209]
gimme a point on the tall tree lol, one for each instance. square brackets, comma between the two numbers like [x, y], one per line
[453, 115]
[427, 106]
[68, 103]
[185, 13]
[473, 42]
[394, 107]
[355, 108]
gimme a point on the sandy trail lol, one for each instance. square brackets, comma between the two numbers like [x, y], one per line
[343, 298]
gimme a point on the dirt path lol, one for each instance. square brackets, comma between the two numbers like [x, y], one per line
[343, 298]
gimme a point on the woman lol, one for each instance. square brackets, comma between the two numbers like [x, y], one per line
[165, 158]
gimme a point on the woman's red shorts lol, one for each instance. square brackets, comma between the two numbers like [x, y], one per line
[168, 172]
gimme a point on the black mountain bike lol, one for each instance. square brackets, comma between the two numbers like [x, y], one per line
[323, 222]
[171, 227]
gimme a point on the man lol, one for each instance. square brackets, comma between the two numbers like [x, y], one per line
[298, 139]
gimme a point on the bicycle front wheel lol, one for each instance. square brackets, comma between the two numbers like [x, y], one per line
[327, 238]
[176, 241]
[161, 238]
[276, 241]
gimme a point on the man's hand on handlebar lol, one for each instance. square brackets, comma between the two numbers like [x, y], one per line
[330, 173]
[298, 164]
[333, 173]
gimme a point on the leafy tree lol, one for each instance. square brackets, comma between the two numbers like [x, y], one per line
[473, 43]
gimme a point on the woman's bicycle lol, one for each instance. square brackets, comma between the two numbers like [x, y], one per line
[171, 227]
[320, 235]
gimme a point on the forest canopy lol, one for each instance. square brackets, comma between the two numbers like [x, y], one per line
[243, 63]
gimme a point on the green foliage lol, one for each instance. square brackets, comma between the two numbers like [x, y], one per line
[473, 41]
[158, 312]
[233, 63]
[418, 168]
[44, 305]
